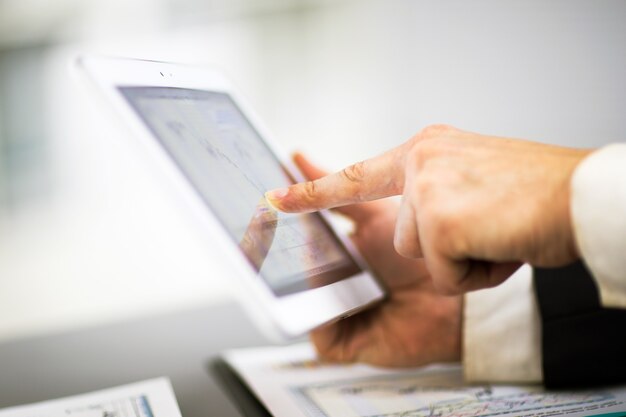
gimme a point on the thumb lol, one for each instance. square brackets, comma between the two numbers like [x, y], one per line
[308, 169]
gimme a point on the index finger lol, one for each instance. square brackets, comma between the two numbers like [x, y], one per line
[374, 178]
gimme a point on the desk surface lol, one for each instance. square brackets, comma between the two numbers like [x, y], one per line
[178, 345]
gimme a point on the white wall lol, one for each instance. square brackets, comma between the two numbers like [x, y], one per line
[341, 81]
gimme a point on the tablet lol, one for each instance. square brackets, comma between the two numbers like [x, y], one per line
[296, 272]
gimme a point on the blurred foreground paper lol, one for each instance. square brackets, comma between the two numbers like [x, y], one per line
[291, 383]
[151, 398]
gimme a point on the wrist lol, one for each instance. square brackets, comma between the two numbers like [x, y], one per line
[569, 214]
[558, 246]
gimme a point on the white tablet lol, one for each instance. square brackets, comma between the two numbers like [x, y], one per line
[297, 272]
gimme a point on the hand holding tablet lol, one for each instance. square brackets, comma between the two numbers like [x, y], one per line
[297, 272]
[415, 325]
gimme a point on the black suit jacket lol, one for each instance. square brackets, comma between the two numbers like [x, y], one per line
[583, 344]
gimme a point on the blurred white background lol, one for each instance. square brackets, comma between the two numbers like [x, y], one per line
[86, 235]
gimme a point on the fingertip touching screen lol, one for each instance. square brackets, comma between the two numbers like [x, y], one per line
[231, 167]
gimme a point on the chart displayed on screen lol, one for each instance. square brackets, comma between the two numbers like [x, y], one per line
[231, 168]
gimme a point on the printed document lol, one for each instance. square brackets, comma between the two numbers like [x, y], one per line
[151, 398]
[290, 382]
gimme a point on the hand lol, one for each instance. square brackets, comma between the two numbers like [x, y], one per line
[474, 207]
[415, 325]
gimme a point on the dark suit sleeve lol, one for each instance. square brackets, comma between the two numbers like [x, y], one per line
[583, 344]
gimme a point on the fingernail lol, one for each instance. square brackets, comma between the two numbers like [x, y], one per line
[277, 194]
[274, 196]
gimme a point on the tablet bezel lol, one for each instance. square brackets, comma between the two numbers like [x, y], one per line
[285, 316]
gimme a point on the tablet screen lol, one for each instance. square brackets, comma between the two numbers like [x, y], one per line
[231, 167]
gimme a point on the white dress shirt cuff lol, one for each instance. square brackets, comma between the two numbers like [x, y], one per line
[598, 206]
[502, 332]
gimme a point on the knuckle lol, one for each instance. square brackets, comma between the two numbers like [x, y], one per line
[445, 225]
[417, 155]
[354, 173]
[309, 190]
[449, 231]
[422, 152]
[301, 196]
[432, 131]
[424, 187]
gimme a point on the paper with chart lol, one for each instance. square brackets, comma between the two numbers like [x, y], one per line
[230, 167]
[291, 383]
[151, 398]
